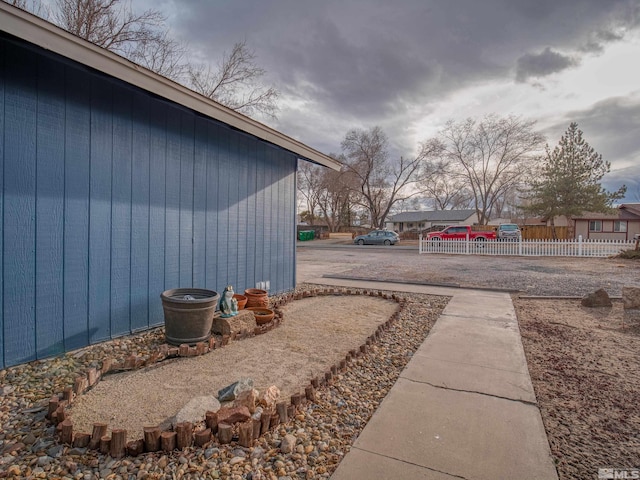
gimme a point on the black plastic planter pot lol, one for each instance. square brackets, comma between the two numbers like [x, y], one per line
[188, 314]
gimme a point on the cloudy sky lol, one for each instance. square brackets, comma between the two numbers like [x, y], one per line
[411, 65]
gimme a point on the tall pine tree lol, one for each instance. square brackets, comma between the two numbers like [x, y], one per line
[569, 182]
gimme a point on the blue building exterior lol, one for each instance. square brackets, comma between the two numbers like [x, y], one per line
[111, 195]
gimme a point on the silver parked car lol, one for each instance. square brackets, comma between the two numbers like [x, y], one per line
[377, 237]
[508, 231]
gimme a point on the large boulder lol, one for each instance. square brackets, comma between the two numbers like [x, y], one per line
[244, 321]
[599, 298]
[631, 298]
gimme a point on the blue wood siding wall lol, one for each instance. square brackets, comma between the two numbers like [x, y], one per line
[111, 195]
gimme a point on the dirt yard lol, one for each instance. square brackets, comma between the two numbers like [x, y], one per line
[585, 367]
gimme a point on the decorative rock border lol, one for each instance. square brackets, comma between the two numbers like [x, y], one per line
[184, 434]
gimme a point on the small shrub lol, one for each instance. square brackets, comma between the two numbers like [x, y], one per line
[630, 254]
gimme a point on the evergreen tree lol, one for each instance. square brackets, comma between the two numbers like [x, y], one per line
[569, 181]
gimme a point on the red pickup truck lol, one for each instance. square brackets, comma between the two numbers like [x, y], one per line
[460, 232]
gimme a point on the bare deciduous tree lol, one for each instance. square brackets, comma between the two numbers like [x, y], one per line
[491, 156]
[23, 4]
[336, 199]
[236, 83]
[110, 24]
[144, 39]
[34, 6]
[327, 192]
[380, 183]
[446, 192]
[310, 186]
[163, 55]
[443, 189]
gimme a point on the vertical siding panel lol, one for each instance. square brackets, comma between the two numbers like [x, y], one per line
[121, 214]
[289, 223]
[260, 215]
[252, 214]
[274, 260]
[242, 219]
[232, 174]
[186, 199]
[172, 219]
[49, 208]
[276, 252]
[269, 212]
[100, 211]
[76, 209]
[281, 222]
[200, 204]
[2, 135]
[19, 206]
[213, 215]
[157, 211]
[140, 214]
[224, 169]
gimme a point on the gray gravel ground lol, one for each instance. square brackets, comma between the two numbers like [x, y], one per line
[548, 276]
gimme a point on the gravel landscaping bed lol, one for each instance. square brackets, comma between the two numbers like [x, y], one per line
[324, 430]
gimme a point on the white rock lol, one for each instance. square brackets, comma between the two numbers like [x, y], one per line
[288, 443]
[195, 410]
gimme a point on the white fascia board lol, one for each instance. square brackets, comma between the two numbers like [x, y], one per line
[39, 32]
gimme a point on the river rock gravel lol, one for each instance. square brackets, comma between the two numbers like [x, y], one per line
[317, 438]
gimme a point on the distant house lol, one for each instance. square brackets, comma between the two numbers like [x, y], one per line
[622, 225]
[423, 220]
[117, 184]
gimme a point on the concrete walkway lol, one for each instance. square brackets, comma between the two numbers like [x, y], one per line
[464, 407]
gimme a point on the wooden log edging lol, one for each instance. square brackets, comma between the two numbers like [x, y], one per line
[185, 435]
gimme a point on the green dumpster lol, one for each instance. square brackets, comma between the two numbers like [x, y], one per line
[304, 235]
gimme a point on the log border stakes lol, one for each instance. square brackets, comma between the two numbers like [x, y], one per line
[186, 434]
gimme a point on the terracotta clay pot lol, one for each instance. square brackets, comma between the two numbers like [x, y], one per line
[256, 298]
[263, 315]
[241, 299]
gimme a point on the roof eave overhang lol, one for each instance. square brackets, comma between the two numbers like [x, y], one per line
[39, 32]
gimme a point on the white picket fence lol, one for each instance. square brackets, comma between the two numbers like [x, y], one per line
[527, 248]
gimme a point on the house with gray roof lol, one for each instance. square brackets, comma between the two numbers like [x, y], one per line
[425, 220]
